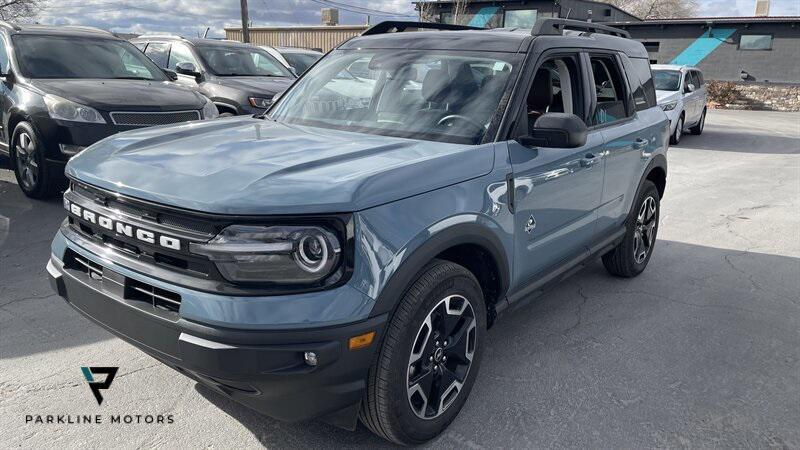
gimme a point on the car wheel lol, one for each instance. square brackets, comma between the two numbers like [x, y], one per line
[675, 139]
[631, 256]
[698, 129]
[34, 176]
[429, 359]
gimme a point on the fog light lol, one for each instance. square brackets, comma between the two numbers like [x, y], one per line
[311, 358]
[361, 341]
[70, 150]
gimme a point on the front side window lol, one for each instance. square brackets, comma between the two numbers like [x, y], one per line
[556, 87]
[42, 56]
[610, 91]
[301, 61]
[755, 42]
[180, 54]
[667, 80]
[232, 61]
[418, 94]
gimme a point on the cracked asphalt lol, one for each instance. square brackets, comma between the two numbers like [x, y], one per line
[702, 350]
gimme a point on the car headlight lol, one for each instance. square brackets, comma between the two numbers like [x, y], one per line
[210, 110]
[279, 254]
[668, 106]
[260, 102]
[63, 109]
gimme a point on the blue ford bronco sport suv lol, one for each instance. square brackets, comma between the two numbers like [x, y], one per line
[342, 256]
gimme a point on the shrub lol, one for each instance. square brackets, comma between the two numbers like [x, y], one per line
[722, 92]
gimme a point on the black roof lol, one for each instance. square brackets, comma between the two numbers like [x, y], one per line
[53, 30]
[493, 40]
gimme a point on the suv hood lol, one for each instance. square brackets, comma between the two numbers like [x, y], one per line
[249, 166]
[257, 85]
[667, 96]
[123, 95]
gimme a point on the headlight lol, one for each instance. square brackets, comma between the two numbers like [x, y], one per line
[287, 255]
[210, 110]
[669, 106]
[260, 102]
[63, 109]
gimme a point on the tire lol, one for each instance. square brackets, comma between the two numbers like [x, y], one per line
[629, 258]
[397, 409]
[697, 130]
[35, 176]
[675, 139]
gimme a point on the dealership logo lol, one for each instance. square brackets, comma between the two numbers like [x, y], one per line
[90, 374]
[122, 228]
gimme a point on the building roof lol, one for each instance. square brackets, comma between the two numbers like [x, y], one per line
[704, 20]
[517, 2]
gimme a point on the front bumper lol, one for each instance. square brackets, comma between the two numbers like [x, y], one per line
[673, 116]
[264, 370]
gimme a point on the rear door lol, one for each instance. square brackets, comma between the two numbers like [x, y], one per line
[691, 99]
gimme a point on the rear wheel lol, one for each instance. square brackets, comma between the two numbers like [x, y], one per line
[631, 256]
[675, 139]
[429, 358]
[698, 129]
[35, 177]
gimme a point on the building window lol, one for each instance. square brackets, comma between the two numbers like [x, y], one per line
[447, 17]
[755, 42]
[652, 47]
[520, 18]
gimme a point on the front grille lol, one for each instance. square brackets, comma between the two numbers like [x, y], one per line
[79, 263]
[159, 298]
[147, 119]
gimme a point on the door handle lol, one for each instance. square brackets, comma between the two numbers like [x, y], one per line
[640, 144]
[591, 159]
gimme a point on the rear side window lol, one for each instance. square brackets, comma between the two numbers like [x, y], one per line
[3, 56]
[699, 78]
[158, 52]
[609, 86]
[691, 78]
[641, 78]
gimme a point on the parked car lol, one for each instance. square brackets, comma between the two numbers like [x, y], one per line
[238, 78]
[295, 58]
[65, 88]
[682, 94]
[343, 259]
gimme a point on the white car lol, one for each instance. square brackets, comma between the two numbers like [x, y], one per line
[681, 92]
[295, 58]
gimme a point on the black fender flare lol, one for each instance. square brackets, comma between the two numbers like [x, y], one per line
[411, 268]
[659, 161]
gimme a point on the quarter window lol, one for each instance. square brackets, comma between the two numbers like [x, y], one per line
[755, 42]
[3, 56]
[610, 91]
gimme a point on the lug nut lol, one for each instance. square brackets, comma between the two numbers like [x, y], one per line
[431, 358]
[444, 358]
[435, 367]
[445, 343]
[436, 343]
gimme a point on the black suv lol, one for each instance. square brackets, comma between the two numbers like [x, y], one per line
[65, 88]
[238, 78]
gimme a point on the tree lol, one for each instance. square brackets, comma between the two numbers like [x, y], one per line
[20, 9]
[657, 9]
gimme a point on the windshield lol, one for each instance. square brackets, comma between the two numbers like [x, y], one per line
[82, 57]
[241, 61]
[667, 80]
[419, 94]
[301, 61]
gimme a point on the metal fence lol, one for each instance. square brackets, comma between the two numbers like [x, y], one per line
[318, 37]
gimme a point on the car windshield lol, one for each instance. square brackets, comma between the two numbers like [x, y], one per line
[667, 80]
[419, 94]
[301, 61]
[41, 56]
[241, 61]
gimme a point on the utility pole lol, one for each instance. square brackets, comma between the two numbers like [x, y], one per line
[245, 22]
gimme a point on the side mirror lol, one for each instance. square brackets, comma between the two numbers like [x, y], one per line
[557, 130]
[170, 74]
[690, 88]
[187, 68]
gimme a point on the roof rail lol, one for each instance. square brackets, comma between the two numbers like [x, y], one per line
[398, 27]
[3, 23]
[557, 27]
[91, 29]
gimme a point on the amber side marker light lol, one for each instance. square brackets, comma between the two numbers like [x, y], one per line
[361, 341]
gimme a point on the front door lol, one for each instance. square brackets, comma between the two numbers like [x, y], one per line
[556, 190]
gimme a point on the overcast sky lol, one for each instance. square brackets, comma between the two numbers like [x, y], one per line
[190, 17]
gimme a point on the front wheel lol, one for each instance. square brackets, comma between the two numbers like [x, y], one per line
[675, 139]
[631, 256]
[35, 177]
[698, 129]
[429, 358]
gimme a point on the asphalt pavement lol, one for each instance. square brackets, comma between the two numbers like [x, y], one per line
[701, 350]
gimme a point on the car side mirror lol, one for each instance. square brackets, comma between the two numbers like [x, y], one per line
[171, 74]
[690, 88]
[188, 69]
[557, 130]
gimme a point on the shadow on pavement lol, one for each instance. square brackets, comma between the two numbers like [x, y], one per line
[726, 138]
